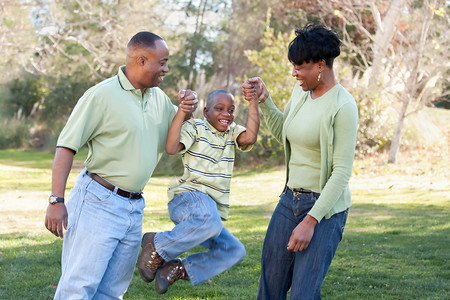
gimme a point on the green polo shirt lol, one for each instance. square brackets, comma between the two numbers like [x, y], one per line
[124, 130]
[208, 160]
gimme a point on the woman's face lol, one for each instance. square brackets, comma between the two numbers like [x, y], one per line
[307, 75]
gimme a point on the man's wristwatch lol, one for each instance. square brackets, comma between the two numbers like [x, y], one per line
[53, 199]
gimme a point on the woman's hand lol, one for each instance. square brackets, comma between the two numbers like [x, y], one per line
[302, 234]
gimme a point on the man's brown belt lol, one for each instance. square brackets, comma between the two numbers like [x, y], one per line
[113, 188]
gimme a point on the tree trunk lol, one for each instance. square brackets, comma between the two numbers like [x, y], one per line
[194, 46]
[383, 39]
[410, 88]
[395, 144]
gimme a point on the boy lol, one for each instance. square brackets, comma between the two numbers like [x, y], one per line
[200, 199]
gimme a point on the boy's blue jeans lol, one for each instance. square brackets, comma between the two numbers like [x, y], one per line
[198, 222]
[101, 243]
[302, 271]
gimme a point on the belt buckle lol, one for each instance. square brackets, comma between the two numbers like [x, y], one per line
[135, 195]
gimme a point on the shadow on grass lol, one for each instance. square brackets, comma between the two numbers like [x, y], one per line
[387, 252]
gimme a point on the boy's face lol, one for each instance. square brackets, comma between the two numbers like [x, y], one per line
[220, 111]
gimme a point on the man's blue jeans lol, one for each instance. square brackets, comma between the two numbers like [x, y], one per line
[198, 222]
[101, 243]
[301, 271]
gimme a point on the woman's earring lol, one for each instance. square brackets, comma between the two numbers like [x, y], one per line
[318, 77]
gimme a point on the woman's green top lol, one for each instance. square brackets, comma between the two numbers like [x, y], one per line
[337, 138]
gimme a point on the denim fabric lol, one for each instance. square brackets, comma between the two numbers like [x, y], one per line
[101, 243]
[198, 222]
[301, 271]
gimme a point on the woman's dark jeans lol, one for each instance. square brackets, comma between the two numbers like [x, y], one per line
[301, 271]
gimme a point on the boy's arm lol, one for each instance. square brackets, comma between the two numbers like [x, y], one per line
[185, 109]
[248, 137]
[173, 145]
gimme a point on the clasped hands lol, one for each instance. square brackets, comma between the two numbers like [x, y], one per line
[254, 88]
[187, 101]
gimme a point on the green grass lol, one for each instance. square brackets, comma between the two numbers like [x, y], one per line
[395, 245]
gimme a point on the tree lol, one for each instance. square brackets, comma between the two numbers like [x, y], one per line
[274, 67]
[395, 46]
[67, 36]
[383, 37]
[17, 42]
[421, 54]
[195, 27]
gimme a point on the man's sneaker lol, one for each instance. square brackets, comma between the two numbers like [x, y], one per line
[168, 273]
[149, 260]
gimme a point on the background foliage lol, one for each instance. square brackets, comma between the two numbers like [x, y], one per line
[394, 58]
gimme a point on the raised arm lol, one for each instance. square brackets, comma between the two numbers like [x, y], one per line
[274, 118]
[249, 136]
[187, 101]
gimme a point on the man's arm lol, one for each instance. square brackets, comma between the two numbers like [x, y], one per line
[249, 136]
[56, 217]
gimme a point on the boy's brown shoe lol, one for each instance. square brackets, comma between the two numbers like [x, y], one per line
[149, 260]
[168, 273]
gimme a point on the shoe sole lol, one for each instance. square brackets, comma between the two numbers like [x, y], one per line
[161, 284]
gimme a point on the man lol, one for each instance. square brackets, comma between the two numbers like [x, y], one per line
[124, 120]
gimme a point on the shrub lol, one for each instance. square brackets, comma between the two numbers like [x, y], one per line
[15, 133]
[376, 121]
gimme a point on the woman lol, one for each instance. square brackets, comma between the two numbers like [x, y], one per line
[318, 130]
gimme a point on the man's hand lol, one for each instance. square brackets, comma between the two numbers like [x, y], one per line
[254, 88]
[187, 101]
[302, 234]
[56, 219]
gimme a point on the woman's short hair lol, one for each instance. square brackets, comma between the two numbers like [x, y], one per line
[314, 42]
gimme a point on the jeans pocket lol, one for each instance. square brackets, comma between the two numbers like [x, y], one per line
[178, 208]
[96, 193]
[344, 220]
[73, 205]
[341, 219]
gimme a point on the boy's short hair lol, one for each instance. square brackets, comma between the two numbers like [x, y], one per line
[214, 94]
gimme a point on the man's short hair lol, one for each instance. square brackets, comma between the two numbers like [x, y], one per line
[143, 39]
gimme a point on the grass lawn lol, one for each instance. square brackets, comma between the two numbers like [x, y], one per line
[395, 245]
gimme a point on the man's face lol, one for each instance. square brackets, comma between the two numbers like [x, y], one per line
[153, 65]
[220, 112]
